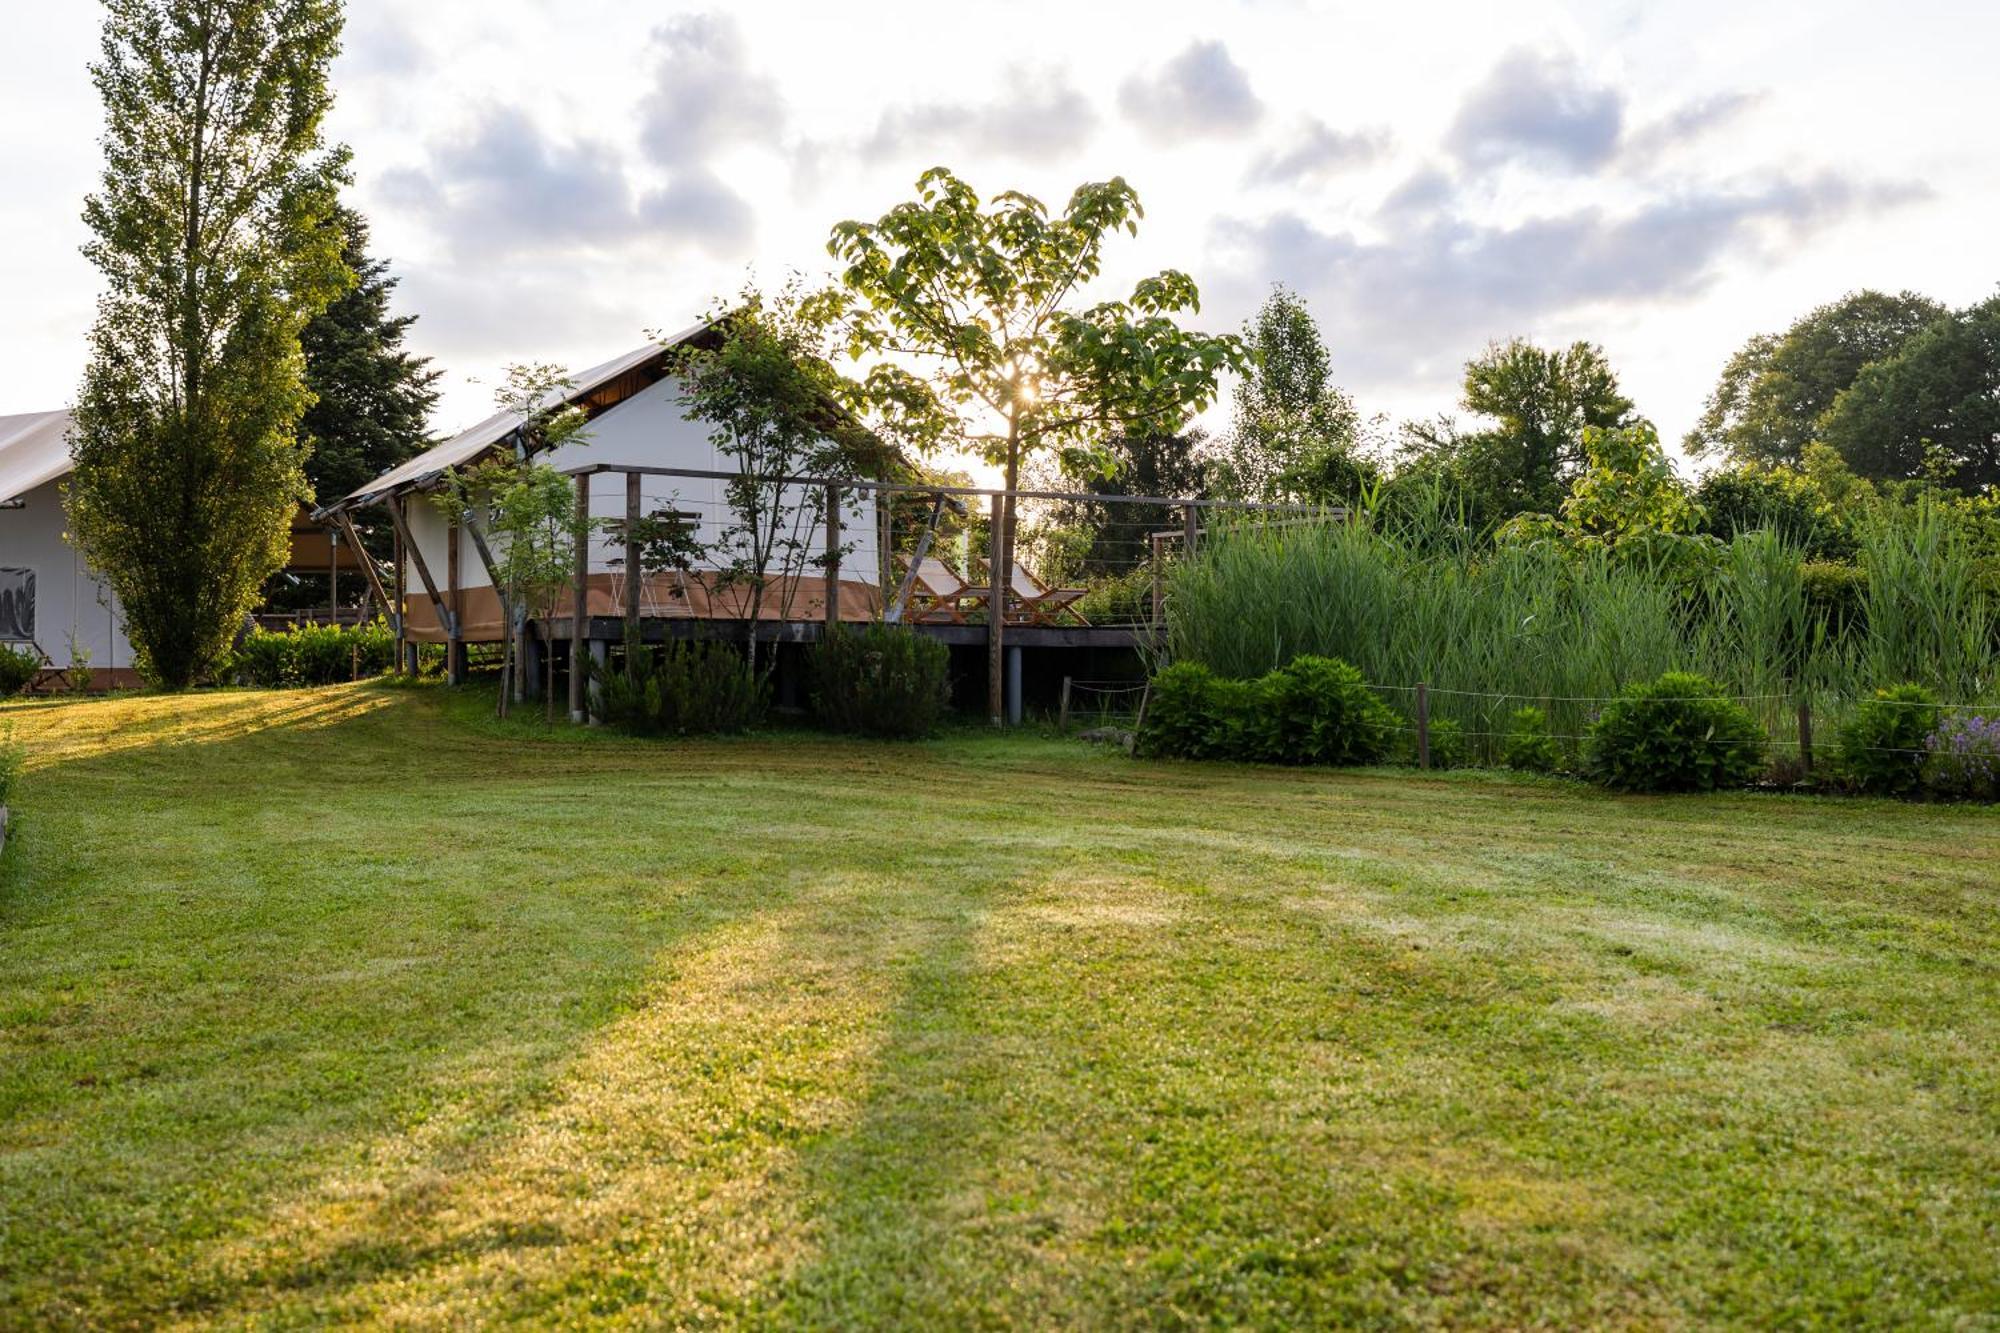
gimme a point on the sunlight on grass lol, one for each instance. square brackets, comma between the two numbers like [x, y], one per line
[351, 1005]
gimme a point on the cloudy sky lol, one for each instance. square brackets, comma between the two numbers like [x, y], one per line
[552, 178]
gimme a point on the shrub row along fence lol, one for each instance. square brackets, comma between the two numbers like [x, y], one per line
[1679, 731]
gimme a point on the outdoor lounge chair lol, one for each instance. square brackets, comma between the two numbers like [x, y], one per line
[940, 597]
[1032, 602]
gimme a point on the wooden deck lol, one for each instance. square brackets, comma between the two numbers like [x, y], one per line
[657, 629]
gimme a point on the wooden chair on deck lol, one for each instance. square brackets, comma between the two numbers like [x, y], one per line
[1032, 602]
[940, 597]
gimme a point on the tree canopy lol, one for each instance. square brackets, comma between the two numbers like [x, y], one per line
[1775, 390]
[372, 398]
[1931, 409]
[1541, 401]
[212, 225]
[970, 304]
[1293, 431]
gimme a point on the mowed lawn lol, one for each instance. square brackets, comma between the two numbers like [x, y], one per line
[350, 1005]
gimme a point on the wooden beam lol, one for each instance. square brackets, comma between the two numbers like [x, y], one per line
[454, 649]
[832, 598]
[894, 612]
[361, 554]
[579, 613]
[633, 574]
[446, 617]
[996, 615]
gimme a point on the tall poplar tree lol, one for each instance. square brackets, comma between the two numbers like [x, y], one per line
[214, 229]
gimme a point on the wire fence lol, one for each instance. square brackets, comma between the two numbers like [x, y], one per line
[1122, 703]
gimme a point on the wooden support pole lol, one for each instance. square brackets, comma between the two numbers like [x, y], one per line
[996, 615]
[1423, 724]
[894, 613]
[832, 557]
[884, 548]
[1190, 529]
[367, 562]
[399, 610]
[633, 574]
[454, 650]
[579, 609]
[333, 577]
[447, 617]
[1159, 580]
[1062, 709]
[1805, 738]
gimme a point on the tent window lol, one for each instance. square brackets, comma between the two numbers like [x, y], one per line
[17, 606]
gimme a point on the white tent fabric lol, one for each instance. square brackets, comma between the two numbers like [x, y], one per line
[468, 445]
[34, 450]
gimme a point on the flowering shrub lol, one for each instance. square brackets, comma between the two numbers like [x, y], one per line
[1962, 758]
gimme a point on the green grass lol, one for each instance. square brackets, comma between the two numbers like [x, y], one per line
[351, 1004]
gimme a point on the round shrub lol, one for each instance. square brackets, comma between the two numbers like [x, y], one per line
[1677, 733]
[1318, 710]
[1528, 744]
[1962, 758]
[881, 680]
[1192, 713]
[17, 668]
[1882, 747]
[687, 688]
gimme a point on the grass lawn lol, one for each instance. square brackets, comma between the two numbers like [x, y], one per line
[349, 1004]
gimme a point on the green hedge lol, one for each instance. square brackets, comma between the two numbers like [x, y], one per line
[17, 668]
[881, 680]
[1312, 710]
[312, 655]
[681, 689]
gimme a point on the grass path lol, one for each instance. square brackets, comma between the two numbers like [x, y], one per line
[350, 1005]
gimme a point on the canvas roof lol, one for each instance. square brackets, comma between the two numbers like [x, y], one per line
[34, 449]
[469, 444]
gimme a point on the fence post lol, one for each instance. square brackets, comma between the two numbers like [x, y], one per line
[832, 557]
[579, 610]
[1805, 737]
[1190, 529]
[1062, 711]
[633, 574]
[1159, 581]
[1423, 724]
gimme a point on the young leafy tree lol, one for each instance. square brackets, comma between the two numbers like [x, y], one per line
[1541, 402]
[1931, 410]
[522, 514]
[1294, 429]
[773, 402]
[372, 396]
[973, 307]
[1768, 405]
[213, 229]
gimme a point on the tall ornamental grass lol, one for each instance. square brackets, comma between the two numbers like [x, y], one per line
[1493, 629]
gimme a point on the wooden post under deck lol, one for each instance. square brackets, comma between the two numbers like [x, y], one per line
[832, 598]
[633, 574]
[996, 616]
[454, 648]
[579, 610]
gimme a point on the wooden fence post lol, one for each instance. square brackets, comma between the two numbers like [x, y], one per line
[1423, 724]
[579, 611]
[1190, 530]
[832, 557]
[1805, 737]
[1159, 581]
[1062, 712]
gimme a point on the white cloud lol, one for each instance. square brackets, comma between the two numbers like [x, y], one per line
[1540, 107]
[1038, 114]
[1200, 92]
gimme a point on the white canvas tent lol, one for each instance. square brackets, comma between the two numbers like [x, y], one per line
[636, 421]
[50, 601]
